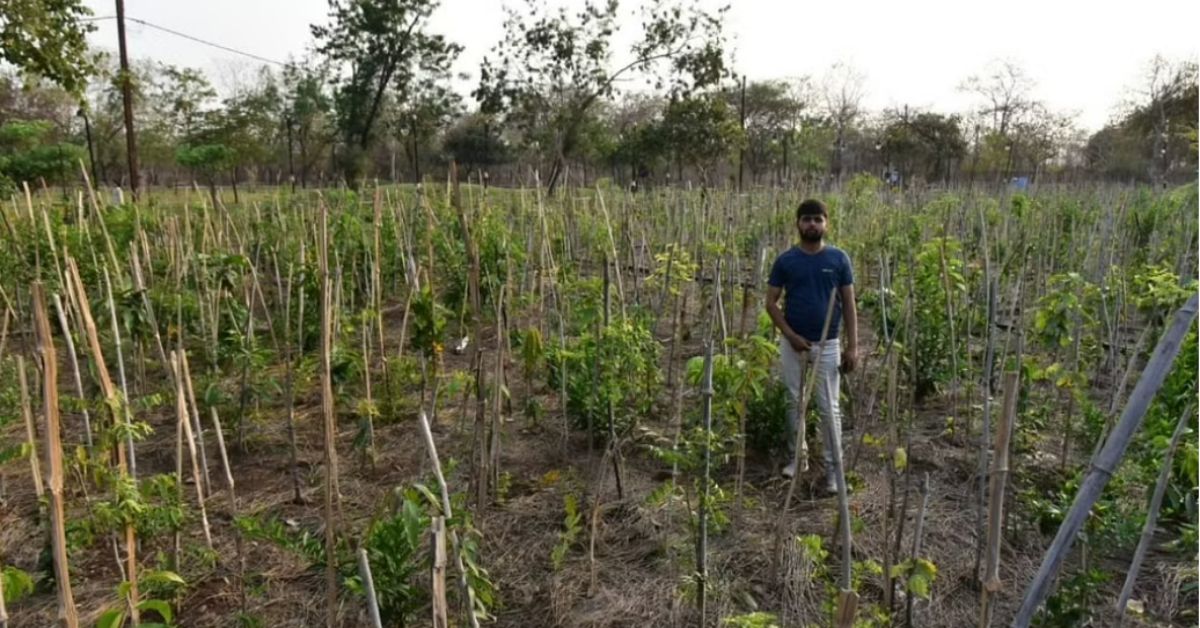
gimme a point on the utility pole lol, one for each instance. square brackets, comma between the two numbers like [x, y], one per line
[742, 151]
[127, 102]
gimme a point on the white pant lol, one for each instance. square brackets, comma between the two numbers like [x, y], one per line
[825, 390]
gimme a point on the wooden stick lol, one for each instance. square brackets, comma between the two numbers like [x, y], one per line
[1106, 461]
[364, 572]
[181, 411]
[918, 536]
[1160, 487]
[112, 311]
[706, 391]
[66, 332]
[197, 426]
[446, 512]
[441, 611]
[113, 401]
[327, 401]
[800, 457]
[999, 476]
[67, 616]
[30, 430]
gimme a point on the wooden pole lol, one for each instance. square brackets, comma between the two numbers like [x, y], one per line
[181, 411]
[706, 392]
[1105, 462]
[991, 578]
[30, 431]
[66, 332]
[441, 610]
[1160, 488]
[114, 402]
[327, 401]
[126, 80]
[67, 616]
[447, 513]
[364, 572]
[800, 457]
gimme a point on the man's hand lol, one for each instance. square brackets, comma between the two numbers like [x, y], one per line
[799, 343]
[849, 358]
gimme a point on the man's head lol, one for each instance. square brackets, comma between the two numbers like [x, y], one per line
[811, 220]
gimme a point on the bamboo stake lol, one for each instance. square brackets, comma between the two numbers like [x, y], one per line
[364, 572]
[1160, 487]
[991, 583]
[800, 458]
[181, 410]
[233, 506]
[1104, 463]
[327, 401]
[496, 431]
[66, 332]
[447, 513]
[706, 392]
[918, 536]
[985, 429]
[847, 596]
[289, 381]
[197, 427]
[113, 400]
[67, 616]
[112, 311]
[441, 610]
[30, 430]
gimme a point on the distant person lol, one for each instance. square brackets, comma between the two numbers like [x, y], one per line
[806, 275]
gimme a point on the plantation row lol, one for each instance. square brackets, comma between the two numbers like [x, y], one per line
[401, 387]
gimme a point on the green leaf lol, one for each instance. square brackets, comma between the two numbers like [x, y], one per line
[900, 459]
[112, 618]
[163, 577]
[921, 578]
[158, 606]
[17, 584]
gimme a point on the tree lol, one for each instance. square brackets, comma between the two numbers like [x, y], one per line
[552, 68]
[700, 130]
[1005, 89]
[422, 114]
[27, 154]
[772, 111]
[250, 125]
[925, 143]
[48, 38]
[1165, 110]
[306, 111]
[183, 95]
[475, 144]
[842, 91]
[384, 43]
[208, 159]
[635, 124]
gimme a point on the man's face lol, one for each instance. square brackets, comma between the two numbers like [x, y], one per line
[812, 227]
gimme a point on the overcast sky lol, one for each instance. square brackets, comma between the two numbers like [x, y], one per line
[1084, 56]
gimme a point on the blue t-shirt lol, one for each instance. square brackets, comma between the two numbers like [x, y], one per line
[807, 279]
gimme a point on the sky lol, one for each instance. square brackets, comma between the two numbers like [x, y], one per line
[1085, 57]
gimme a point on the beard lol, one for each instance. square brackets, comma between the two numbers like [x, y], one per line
[811, 236]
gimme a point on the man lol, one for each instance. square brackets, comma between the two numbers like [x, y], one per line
[806, 275]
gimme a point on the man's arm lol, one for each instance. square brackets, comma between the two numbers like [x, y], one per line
[798, 342]
[850, 327]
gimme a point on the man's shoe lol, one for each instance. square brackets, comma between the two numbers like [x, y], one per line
[789, 471]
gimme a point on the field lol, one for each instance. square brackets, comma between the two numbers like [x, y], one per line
[210, 410]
